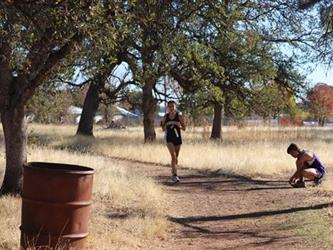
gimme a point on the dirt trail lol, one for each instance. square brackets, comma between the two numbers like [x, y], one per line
[215, 211]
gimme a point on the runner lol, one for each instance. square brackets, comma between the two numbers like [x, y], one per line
[172, 123]
[308, 166]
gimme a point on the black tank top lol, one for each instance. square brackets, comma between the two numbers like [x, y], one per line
[171, 128]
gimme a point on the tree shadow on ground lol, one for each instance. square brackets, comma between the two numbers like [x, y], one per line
[194, 219]
[215, 227]
[203, 180]
[118, 215]
[137, 161]
[206, 180]
[258, 238]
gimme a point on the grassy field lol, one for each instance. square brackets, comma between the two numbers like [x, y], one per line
[120, 193]
[254, 151]
[127, 208]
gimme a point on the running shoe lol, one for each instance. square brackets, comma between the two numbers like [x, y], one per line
[319, 180]
[299, 184]
[175, 179]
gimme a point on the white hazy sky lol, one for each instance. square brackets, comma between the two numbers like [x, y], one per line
[321, 74]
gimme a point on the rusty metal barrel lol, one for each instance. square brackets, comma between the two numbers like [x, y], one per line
[56, 203]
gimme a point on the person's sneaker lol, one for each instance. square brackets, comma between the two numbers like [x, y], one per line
[299, 184]
[318, 181]
[175, 179]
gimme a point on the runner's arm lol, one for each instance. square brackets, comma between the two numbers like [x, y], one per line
[163, 124]
[182, 123]
[300, 166]
[299, 169]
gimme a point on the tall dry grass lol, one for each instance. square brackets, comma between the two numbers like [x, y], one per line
[253, 152]
[128, 210]
[10, 220]
[249, 151]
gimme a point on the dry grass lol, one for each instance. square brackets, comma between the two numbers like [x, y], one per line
[258, 151]
[10, 221]
[127, 213]
[128, 209]
[253, 152]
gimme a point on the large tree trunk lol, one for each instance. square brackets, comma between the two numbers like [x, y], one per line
[217, 122]
[14, 127]
[90, 106]
[149, 107]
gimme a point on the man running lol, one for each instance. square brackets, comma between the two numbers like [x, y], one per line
[172, 123]
[308, 166]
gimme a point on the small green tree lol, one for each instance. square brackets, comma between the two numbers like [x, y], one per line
[50, 104]
[198, 104]
[269, 101]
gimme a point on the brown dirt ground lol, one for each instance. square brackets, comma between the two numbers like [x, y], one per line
[210, 210]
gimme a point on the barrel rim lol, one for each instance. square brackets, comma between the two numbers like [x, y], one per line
[58, 167]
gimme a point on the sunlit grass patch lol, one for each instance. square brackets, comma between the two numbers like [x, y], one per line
[252, 157]
[10, 214]
[316, 228]
[115, 191]
[249, 151]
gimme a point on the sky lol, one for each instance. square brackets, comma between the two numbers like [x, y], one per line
[321, 75]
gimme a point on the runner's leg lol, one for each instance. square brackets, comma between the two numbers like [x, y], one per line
[310, 173]
[172, 151]
[177, 149]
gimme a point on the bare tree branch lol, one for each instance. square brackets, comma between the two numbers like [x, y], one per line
[159, 94]
[60, 80]
[52, 59]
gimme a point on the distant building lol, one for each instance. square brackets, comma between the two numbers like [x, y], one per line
[120, 116]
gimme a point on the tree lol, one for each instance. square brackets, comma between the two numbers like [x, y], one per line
[150, 22]
[102, 87]
[35, 36]
[101, 55]
[325, 42]
[50, 104]
[133, 101]
[294, 112]
[157, 28]
[269, 100]
[321, 102]
[266, 27]
[226, 52]
[323, 9]
[196, 104]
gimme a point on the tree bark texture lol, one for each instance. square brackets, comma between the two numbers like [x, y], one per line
[90, 106]
[149, 104]
[217, 122]
[14, 127]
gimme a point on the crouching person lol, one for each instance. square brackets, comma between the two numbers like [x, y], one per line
[308, 166]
